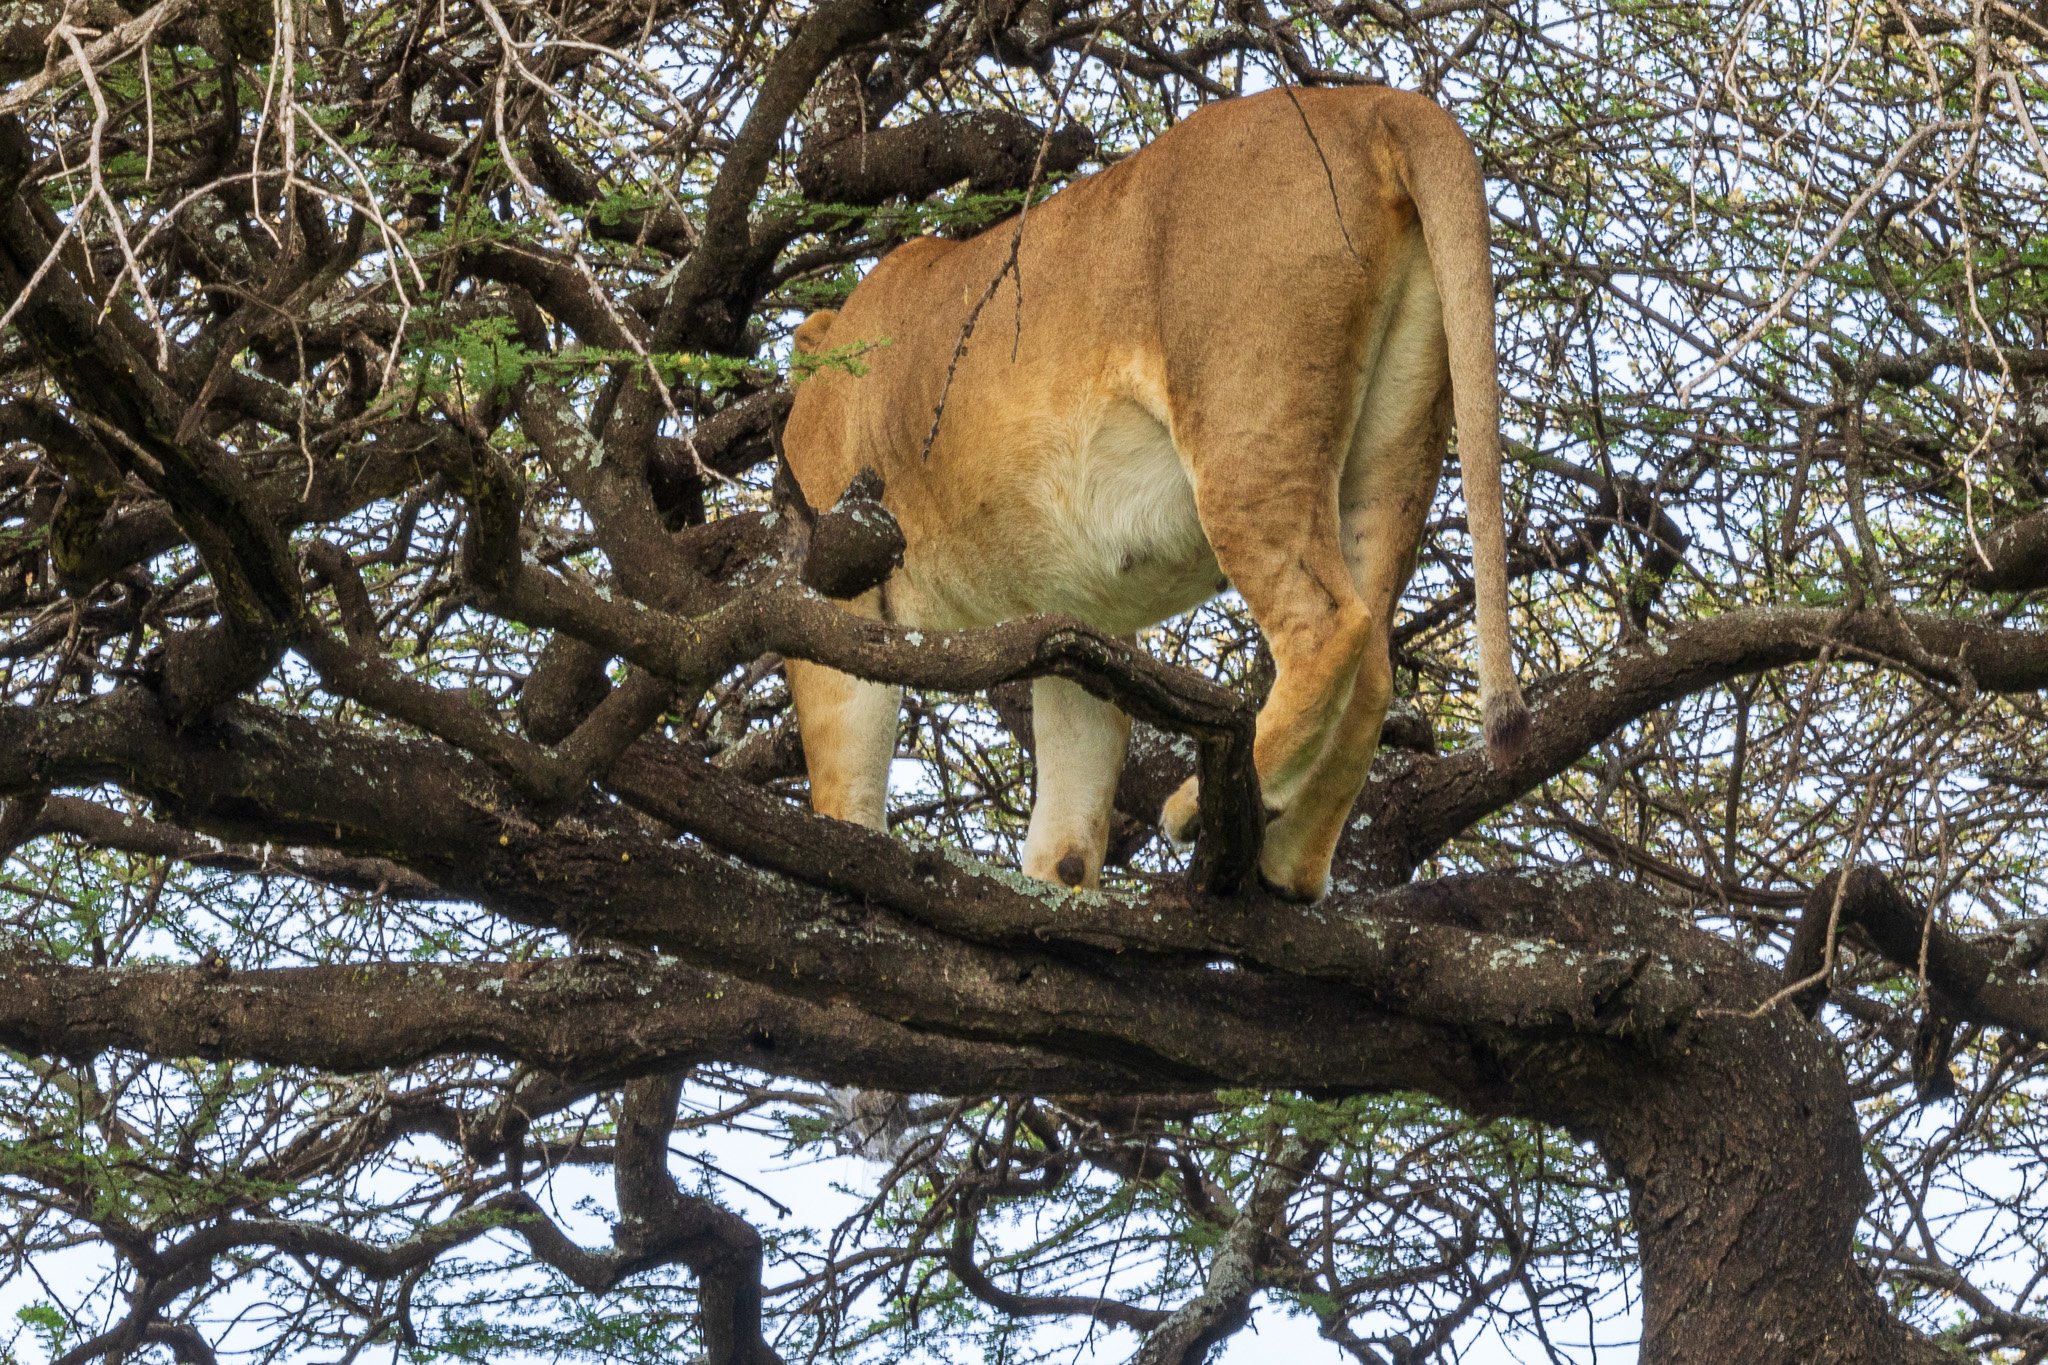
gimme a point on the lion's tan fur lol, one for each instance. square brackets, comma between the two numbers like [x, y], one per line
[1232, 357]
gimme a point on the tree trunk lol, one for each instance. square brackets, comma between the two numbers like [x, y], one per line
[1736, 1135]
[1745, 1170]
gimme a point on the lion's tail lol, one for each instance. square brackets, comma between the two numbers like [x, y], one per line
[1443, 179]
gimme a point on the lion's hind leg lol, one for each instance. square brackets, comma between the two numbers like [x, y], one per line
[1390, 479]
[1272, 521]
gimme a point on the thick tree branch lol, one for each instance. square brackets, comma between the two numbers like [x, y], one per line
[1988, 981]
[1415, 803]
[991, 150]
[141, 422]
[659, 1223]
[779, 618]
[595, 1018]
[1430, 963]
[129, 832]
[708, 303]
[452, 820]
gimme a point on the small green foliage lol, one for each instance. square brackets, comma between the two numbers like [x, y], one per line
[847, 358]
[482, 358]
[47, 1322]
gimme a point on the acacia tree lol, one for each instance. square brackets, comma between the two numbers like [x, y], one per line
[407, 830]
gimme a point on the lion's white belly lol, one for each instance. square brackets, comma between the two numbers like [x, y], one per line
[1123, 547]
[1094, 517]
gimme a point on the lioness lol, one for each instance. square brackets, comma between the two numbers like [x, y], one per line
[1234, 363]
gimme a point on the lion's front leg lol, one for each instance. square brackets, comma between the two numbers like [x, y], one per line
[848, 727]
[1080, 741]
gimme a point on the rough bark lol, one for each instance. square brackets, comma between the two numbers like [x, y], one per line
[992, 151]
[2014, 559]
[1567, 999]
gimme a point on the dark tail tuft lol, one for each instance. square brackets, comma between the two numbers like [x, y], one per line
[1507, 730]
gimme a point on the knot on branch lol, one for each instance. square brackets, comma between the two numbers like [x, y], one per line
[1020, 32]
[729, 442]
[496, 498]
[1407, 729]
[992, 150]
[200, 669]
[855, 544]
[566, 685]
[2015, 557]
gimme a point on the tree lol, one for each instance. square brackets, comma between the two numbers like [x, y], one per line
[404, 814]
